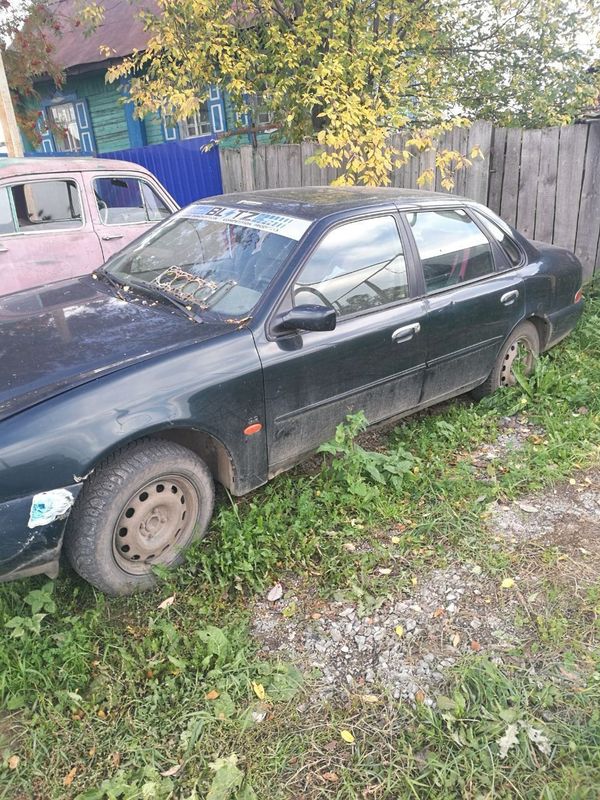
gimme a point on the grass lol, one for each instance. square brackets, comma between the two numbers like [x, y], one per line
[127, 699]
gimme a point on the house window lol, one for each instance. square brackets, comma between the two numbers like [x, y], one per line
[260, 114]
[64, 127]
[198, 124]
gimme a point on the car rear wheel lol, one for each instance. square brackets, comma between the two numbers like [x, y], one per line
[521, 350]
[141, 507]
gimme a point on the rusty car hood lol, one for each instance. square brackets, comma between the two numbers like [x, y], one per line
[57, 337]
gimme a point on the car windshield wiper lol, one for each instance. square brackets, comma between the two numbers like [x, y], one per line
[109, 278]
[151, 290]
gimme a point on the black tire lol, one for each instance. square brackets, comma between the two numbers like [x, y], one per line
[168, 493]
[524, 337]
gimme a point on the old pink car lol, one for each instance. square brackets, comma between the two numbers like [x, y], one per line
[62, 217]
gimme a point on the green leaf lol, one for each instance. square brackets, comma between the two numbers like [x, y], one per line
[228, 777]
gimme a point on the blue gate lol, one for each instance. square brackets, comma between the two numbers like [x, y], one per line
[181, 166]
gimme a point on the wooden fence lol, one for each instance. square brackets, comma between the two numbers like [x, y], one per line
[544, 182]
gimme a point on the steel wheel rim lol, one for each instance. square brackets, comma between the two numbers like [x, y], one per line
[518, 351]
[155, 523]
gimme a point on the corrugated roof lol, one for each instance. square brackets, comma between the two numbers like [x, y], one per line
[122, 30]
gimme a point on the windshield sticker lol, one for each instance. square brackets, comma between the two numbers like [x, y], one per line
[292, 227]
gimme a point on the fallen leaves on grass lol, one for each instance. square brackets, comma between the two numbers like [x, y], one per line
[275, 593]
[70, 777]
[347, 736]
[169, 773]
[259, 690]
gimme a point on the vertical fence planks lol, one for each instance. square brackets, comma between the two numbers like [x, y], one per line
[496, 169]
[510, 183]
[588, 223]
[571, 158]
[546, 187]
[477, 176]
[528, 182]
[544, 182]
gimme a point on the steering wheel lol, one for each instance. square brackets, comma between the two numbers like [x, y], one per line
[323, 301]
[102, 210]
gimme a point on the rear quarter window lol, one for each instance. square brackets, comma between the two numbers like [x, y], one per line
[509, 247]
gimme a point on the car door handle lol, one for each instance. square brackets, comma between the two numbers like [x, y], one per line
[108, 237]
[509, 297]
[406, 332]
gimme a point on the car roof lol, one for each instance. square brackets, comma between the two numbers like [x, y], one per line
[32, 165]
[315, 202]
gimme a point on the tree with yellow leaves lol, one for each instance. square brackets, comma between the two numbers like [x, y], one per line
[352, 72]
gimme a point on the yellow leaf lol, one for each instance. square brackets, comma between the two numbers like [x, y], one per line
[507, 583]
[13, 762]
[259, 690]
[69, 777]
[347, 736]
[369, 698]
[396, 540]
[212, 695]
[455, 640]
[168, 601]
[399, 630]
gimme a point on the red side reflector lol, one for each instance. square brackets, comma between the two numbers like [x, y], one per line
[253, 429]
[578, 296]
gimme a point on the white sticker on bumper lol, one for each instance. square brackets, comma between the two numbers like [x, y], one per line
[48, 506]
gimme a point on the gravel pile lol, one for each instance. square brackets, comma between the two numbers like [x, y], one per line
[403, 646]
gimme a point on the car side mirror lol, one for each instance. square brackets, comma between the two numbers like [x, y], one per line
[307, 318]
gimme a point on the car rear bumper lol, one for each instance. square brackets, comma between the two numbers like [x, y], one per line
[31, 533]
[562, 322]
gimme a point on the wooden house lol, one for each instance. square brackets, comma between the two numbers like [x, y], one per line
[87, 115]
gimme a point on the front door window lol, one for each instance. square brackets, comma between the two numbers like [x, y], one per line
[123, 201]
[356, 267]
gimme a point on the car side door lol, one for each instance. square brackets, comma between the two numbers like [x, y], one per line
[374, 359]
[125, 206]
[474, 299]
[46, 233]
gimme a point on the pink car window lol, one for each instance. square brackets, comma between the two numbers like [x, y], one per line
[47, 206]
[7, 221]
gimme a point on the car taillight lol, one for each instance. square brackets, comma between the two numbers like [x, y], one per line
[578, 296]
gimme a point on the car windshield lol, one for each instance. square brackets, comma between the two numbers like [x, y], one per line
[214, 258]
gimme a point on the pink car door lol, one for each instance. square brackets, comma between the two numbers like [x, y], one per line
[46, 233]
[125, 206]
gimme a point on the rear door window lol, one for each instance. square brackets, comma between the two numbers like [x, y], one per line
[452, 248]
[125, 201]
[42, 206]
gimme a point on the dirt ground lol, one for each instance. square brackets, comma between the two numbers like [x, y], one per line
[403, 642]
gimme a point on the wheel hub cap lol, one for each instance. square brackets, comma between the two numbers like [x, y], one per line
[518, 354]
[156, 521]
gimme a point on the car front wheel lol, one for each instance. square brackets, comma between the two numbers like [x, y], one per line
[520, 351]
[143, 506]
